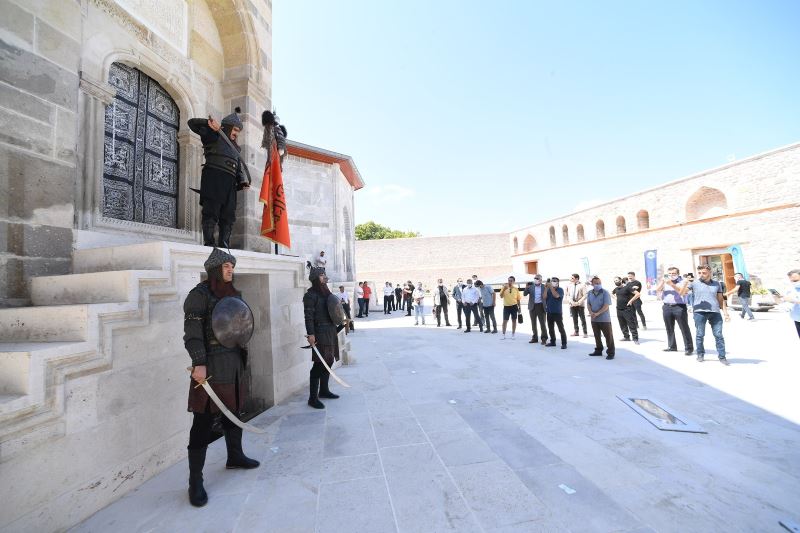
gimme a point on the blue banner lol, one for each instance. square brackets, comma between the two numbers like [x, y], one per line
[586, 273]
[651, 270]
[738, 260]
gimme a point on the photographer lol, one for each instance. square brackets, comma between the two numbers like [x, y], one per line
[626, 313]
[535, 293]
[674, 310]
[553, 301]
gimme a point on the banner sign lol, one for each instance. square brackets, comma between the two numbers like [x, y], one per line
[586, 273]
[738, 260]
[651, 270]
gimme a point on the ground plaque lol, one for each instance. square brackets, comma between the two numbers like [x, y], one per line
[661, 416]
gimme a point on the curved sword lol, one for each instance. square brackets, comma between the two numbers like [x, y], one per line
[214, 398]
[334, 376]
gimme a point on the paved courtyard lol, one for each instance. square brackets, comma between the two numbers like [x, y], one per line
[446, 431]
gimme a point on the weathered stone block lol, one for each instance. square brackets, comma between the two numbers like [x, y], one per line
[36, 190]
[57, 47]
[36, 241]
[16, 25]
[17, 130]
[17, 272]
[64, 15]
[66, 135]
[36, 75]
[25, 104]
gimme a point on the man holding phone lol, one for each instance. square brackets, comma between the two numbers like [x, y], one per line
[674, 310]
[510, 295]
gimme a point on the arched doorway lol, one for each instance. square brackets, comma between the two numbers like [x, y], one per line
[140, 154]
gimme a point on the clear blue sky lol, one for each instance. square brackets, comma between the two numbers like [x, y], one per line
[458, 112]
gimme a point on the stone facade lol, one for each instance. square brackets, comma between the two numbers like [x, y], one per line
[319, 197]
[753, 203]
[427, 258]
[56, 56]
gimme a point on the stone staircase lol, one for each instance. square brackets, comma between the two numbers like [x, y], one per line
[68, 333]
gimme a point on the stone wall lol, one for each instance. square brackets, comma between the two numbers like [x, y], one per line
[319, 199]
[39, 61]
[210, 56]
[754, 203]
[427, 258]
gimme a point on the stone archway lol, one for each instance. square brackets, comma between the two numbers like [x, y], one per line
[706, 202]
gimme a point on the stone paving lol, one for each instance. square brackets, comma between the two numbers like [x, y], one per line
[446, 431]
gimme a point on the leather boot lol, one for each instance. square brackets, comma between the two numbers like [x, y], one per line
[324, 391]
[313, 394]
[224, 236]
[208, 232]
[197, 493]
[236, 457]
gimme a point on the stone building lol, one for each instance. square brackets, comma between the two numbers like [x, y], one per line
[100, 233]
[752, 204]
[427, 258]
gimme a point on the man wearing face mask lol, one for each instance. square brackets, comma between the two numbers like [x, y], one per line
[418, 295]
[598, 301]
[457, 288]
[470, 296]
[708, 302]
[441, 297]
[674, 310]
[576, 296]
[553, 302]
[535, 293]
[510, 295]
[792, 296]
[626, 314]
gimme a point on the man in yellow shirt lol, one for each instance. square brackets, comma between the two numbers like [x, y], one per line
[510, 295]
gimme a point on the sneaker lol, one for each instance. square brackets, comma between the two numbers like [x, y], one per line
[512, 337]
[585, 335]
[625, 339]
[503, 337]
[636, 341]
[574, 334]
[700, 358]
[689, 352]
[724, 361]
[644, 328]
[423, 322]
[416, 323]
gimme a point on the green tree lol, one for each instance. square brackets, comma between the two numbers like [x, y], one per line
[372, 230]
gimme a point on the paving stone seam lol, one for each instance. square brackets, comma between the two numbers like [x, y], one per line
[383, 472]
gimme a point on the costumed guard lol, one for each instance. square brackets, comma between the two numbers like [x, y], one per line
[224, 173]
[215, 337]
[324, 319]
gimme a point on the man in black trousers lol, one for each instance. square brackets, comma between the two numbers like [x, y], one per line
[674, 310]
[535, 293]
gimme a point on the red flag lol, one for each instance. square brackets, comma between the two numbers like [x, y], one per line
[275, 219]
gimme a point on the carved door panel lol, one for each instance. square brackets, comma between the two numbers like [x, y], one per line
[140, 163]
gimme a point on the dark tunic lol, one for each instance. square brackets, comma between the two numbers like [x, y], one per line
[224, 365]
[322, 316]
[222, 170]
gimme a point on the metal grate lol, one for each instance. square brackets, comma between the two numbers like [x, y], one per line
[661, 416]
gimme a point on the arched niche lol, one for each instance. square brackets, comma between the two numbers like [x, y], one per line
[706, 202]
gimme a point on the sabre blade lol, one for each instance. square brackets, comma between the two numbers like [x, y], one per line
[225, 411]
[334, 376]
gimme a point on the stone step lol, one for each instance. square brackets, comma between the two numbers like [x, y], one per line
[22, 366]
[44, 324]
[90, 288]
[146, 256]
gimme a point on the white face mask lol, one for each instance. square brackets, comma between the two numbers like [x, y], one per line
[537, 281]
[555, 284]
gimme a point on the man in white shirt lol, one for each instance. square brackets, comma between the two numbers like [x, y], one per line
[576, 296]
[320, 261]
[360, 299]
[345, 299]
[419, 300]
[470, 296]
[388, 296]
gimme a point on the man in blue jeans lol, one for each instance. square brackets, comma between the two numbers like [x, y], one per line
[708, 302]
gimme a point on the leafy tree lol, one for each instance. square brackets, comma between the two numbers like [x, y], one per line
[372, 230]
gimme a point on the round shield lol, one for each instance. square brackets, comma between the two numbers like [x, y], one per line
[232, 322]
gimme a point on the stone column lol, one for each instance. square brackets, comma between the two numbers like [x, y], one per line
[191, 161]
[93, 97]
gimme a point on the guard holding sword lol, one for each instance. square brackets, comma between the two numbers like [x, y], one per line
[324, 318]
[217, 326]
[224, 173]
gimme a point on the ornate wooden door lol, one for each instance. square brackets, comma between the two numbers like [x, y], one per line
[140, 163]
